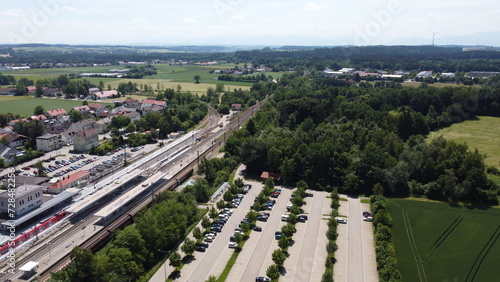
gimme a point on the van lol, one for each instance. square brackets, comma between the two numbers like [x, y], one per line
[285, 217]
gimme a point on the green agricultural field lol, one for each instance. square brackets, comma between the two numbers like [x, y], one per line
[440, 242]
[482, 133]
[25, 105]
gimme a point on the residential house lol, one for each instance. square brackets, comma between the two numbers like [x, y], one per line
[86, 139]
[347, 70]
[15, 121]
[149, 102]
[81, 125]
[131, 103]
[97, 108]
[49, 142]
[66, 138]
[60, 184]
[174, 135]
[7, 91]
[102, 125]
[7, 153]
[14, 140]
[31, 90]
[55, 126]
[133, 116]
[123, 110]
[236, 107]
[26, 198]
[85, 110]
[101, 95]
[154, 109]
[38, 117]
[56, 114]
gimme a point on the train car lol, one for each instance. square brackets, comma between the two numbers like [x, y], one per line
[33, 232]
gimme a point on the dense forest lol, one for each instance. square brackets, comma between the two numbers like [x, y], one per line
[354, 138]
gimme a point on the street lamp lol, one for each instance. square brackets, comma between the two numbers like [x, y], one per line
[165, 253]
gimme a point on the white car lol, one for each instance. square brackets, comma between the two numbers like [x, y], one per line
[368, 218]
[233, 245]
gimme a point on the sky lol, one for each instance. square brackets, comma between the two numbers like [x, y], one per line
[251, 22]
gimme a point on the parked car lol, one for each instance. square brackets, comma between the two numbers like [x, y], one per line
[368, 218]
[257, 228]
[365, 214]
[203, 244]
[262, 279]
[277, 235]
[233, 245]
[341, 220]
[200, 249]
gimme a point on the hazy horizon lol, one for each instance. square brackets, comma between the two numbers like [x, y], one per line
[238, 22]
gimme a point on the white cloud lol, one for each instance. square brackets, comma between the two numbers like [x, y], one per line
[190, 20]
[312, 6]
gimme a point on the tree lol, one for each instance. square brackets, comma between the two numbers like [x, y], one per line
[197, 233]
[283, 242]
[213, 213]
[279, 257]
[205, 222]
[273, 272]
[39, 110]
[288, 230]
[131, 127]
[175, 259]
[197, 79]
[188, 247]
[75, 116]
[238, 182]
[39, 91]
[120, 121]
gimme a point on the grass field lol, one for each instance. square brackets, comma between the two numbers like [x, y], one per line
[168, 76]
[25, 105]
[482, 133]
[439, 242]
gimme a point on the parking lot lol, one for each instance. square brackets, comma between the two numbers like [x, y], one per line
[355, 256]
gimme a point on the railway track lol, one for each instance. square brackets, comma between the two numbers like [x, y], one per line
[103, 235]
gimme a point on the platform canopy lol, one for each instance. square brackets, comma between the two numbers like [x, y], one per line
[29, 266]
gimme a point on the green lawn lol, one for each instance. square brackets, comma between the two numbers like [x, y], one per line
[453, 243]
[25, 105]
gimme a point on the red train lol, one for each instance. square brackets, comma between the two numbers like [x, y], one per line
[33, 232]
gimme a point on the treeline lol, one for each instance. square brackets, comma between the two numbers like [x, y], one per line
[244, 78]
[7, 80]
[387, 264]
[392, 58]
[355, 138]
[135, 249]
[140, 71]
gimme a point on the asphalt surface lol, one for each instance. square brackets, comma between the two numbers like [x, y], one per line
[306, 261]
[356, 254]
[213, 261]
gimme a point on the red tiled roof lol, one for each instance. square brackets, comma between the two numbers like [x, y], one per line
[78, 175]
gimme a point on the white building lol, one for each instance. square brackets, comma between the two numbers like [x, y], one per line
[49, 142]
[86, 139]
[27, 198]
